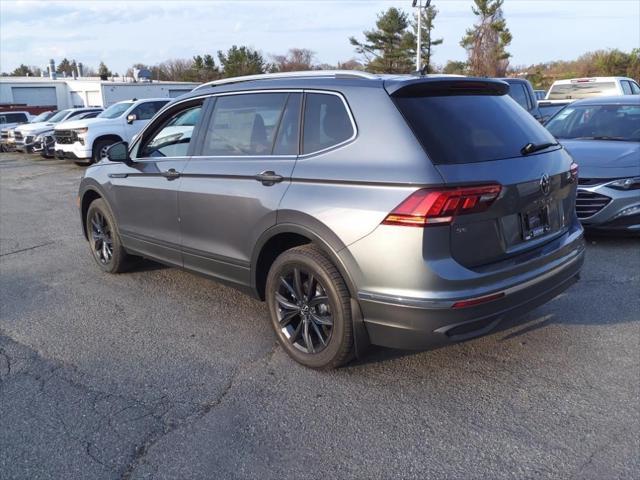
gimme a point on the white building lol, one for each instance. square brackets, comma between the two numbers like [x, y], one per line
[83, 92]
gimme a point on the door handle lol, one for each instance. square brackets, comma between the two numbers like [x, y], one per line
[170, 174]
[268, 178]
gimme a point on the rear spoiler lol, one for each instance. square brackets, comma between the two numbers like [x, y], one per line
[443, 86]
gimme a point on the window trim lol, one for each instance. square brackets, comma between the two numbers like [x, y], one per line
[208, 101]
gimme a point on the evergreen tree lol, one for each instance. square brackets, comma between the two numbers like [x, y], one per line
[103, 71]
[241, 61]
[390, 48]
[486, 42]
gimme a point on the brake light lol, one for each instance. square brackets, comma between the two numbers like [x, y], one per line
[573, 169]
[439, 207]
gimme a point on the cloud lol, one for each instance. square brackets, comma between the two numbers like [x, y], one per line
[122, 33]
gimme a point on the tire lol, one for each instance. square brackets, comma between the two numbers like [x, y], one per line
[104, 240]
[99, 148]
[324, 319]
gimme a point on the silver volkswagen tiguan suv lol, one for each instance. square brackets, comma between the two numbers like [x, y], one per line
[403, 211]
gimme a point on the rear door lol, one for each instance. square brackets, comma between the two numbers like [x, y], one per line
[480, 138]
[233, 185]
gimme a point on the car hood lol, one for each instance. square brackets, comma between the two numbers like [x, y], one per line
[81, 123]
[35, 127]
[605, 158]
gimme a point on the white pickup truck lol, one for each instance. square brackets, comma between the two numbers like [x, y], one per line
[86, 141]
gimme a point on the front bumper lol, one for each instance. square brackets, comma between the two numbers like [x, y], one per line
[417, 324]
[26, 145]
[74, 151]
[620, 213]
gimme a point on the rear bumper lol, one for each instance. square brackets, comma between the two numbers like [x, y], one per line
[420, 323]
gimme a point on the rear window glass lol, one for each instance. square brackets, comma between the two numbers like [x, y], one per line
[582, 90]
[471, 128]
[519, 94]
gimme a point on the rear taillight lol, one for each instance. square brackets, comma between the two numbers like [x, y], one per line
[574, 171]
[437, 207]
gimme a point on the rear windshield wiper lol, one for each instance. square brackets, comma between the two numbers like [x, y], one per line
[532, 147]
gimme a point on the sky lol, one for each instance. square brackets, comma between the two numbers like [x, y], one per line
[150, 31]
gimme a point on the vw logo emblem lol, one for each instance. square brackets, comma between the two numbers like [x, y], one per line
[545, 184]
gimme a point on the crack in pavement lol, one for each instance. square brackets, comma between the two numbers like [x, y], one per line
[96, 429]
[143, 450]
[27, 249]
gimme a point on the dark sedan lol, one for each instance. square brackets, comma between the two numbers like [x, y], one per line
[603, 136]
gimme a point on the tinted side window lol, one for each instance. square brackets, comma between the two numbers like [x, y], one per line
[635, 89]
[519, 94]
[626, 87]
[326, 122]
[3, 119]
[244, 124]
[173, 138]
[288, 135]
[16, 117]
[146, 110]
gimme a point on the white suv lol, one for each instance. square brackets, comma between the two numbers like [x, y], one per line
[86, 141]
[25, 135]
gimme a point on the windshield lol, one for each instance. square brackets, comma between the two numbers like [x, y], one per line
[585, 89]
[597, 122]
[115, 110]
[42, 117]
[59, 116]
[471, 128]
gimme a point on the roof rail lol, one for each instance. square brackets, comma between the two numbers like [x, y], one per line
[301, 74]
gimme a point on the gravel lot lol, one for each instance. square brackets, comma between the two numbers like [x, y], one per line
[162, 374]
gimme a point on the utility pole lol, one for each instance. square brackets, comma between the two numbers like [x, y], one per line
[418, 4]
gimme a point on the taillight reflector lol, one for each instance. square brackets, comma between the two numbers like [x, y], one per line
[437, 207]
[477, 301]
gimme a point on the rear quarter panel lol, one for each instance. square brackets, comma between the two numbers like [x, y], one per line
[349, 190]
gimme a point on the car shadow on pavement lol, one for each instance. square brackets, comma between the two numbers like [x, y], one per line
[145, 265]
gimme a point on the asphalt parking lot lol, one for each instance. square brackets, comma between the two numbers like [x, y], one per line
[162, 374]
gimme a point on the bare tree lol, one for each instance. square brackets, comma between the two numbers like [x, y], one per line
[296, 59]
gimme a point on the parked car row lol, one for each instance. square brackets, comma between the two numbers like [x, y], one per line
[80, 134]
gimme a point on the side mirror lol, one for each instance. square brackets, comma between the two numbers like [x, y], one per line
[132, 117]
[118, 152]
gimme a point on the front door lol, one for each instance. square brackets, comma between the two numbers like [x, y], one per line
[146, 190]
[232, 187]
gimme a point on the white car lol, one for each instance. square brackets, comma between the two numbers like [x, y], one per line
[8, 121]
[25, 135]
[86, 141]
[578, 88]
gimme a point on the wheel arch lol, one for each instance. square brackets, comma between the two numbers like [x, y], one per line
[86, 197]
[107, 136]
[283, 236]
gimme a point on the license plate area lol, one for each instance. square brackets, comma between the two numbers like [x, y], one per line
[535, 223]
